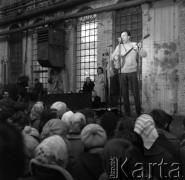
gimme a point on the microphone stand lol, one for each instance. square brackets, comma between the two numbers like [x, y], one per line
[109, 61]
[120, 84]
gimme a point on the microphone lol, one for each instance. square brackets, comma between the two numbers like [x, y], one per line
[119, 39]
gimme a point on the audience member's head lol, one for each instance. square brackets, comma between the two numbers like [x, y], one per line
[51, 159]
[36, 111]
[6, 94]
[109, 122]
[28, 130]
[52, 151]
[12, 157]
[31, 141]
[77, 123]
[145, 127]
[117, 151]
[47, 115]
[133, 137]
[161, 118]
[183, 121]
[60, 106]
[68, 117]
[89, 114]
[5, 114]
[125, 123]
[54, 127]
[93, 136]
[19, 120]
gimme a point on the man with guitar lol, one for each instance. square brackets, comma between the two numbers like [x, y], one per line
[125, 59]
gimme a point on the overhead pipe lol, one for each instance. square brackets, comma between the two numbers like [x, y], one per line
[37, 12]
[125, 4]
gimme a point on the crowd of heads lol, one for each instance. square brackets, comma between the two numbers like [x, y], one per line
[54, 142]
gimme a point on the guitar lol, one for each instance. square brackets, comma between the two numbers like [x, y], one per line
[119, 61]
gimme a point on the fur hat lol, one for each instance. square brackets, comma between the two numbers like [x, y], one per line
[60, 106]
[93, 136]
[53, 151]
[77, 123]
[145, 126]
[54, 127]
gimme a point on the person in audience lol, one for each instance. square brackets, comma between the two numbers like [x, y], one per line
[38, 88]
[12, 156]
[22, 87]
[67, 118]
[51, 159]
[162, 119]
[89, 115]
[166, 139]
[61, 107]
[76, 124]
[54, 127]
[132, 137]
[182, 149]
[115, 153]
[96, 100]
[125, 123]
[88, 85]
[19, 120]
[7, 100]
[109, 122]
[31, 139]
[154, 152]
[182, 137]
[89, 166]
[1, 91]
[35, 114]
[5, 114]
[47, 115]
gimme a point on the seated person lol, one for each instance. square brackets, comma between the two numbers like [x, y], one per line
[88, 85]
[38, 88]
[96, 100]
[22, 88]
[6, 100]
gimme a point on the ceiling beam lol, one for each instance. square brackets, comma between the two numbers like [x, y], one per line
[125, 4]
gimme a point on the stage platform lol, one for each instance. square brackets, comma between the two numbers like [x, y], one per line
[74, 101]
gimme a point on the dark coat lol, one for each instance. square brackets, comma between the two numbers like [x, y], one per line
[170, 142]
[89, 167]
[88, 87]
[157, 154]
[41, 171]
[96, 102]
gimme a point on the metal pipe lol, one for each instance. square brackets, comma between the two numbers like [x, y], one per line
[37, 12]
[80, 14]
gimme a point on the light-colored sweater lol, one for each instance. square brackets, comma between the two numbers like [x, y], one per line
[130, 60]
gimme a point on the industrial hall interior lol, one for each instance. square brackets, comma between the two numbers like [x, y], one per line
[92, 89]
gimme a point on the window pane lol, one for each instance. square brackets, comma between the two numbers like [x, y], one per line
[87, 46]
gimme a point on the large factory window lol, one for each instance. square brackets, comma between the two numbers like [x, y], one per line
[86, 49]
[37, 70]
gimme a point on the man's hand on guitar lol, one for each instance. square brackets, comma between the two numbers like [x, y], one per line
[117, 62]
